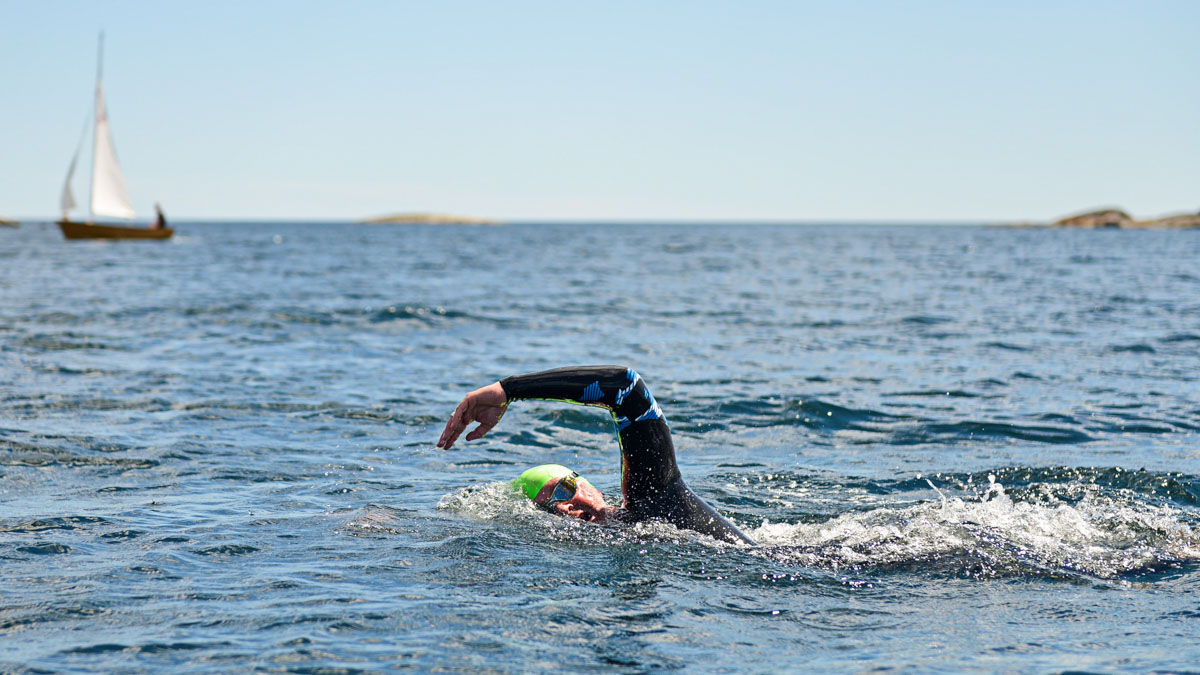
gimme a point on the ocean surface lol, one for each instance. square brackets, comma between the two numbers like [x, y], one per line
[961, 449]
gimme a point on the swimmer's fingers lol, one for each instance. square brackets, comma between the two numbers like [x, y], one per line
[480, 431]
[455, 425]
[449, 434]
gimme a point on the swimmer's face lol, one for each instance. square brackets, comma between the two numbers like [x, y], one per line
[587, 504]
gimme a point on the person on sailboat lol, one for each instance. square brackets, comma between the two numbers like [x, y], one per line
[651, 484]
[160, 221]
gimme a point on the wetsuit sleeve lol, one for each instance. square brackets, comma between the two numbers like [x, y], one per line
[647, 455]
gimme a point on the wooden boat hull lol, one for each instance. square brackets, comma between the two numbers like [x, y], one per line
[75, 230]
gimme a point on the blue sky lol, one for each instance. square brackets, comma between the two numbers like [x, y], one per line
[813, 111]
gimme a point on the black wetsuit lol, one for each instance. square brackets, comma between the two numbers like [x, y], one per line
[650, 478]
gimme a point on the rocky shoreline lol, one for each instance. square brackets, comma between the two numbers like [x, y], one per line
[1116, 218]
[428, 219]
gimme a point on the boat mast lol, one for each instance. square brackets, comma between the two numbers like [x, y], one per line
[95, 125]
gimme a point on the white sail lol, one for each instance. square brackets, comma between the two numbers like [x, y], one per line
[109, 197]
[67, 201]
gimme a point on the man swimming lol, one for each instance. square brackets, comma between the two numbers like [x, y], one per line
[652, 487]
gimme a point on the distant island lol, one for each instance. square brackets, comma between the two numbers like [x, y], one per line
[428, 219]
[1113, 217]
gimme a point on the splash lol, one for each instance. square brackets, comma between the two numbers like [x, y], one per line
[989, 534]
[490, 501]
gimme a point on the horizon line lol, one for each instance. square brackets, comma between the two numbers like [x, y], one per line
[35, 220]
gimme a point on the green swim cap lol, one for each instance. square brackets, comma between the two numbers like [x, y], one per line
[532, 481]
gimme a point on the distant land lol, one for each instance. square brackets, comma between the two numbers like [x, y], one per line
[1114, 217]
[428, 219]
[1102, 218]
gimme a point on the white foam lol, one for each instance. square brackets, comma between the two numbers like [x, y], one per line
[1098, 535]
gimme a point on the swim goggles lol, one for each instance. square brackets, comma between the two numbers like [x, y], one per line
[564, 491]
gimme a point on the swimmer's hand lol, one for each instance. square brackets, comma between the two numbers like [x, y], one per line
[485, 405]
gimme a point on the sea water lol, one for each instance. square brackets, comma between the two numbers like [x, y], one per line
[959, 448]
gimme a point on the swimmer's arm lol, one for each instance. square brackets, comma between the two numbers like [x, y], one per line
[486, 405]
[603, 386]
[615, 388]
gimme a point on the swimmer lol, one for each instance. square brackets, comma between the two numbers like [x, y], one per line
[652, 487]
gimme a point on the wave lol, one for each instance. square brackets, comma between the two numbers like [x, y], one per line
[424, 314]
[1008, 346]
[22, 454]
[45, 548]
[758, 413]
[926, 320]
[937, 431]
[254, 315]
[55, 402]
[68, 523]
[952, 393]
[1100, 534]
[1134, 348]
[148, 648]
[226, 550]
[379, 520]
[920, 426]
[50, 342]
[1071, 484]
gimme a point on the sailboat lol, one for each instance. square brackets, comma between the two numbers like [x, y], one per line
[109, 197]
